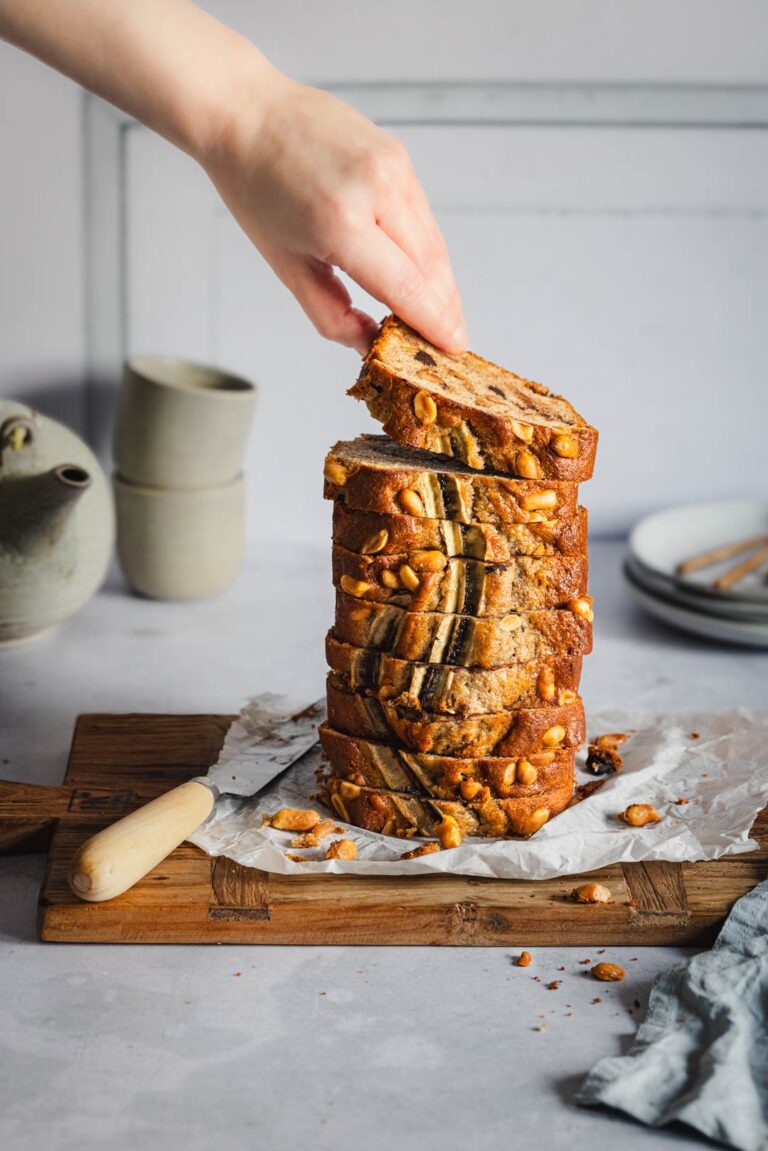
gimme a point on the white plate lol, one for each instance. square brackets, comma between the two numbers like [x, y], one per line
[713, 627]
[662, 541]
[728, 607]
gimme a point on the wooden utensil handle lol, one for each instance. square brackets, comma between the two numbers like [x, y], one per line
[122, 854]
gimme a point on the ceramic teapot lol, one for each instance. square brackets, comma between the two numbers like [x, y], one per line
[56, 523]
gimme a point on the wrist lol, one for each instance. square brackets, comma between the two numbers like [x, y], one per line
[242, 90]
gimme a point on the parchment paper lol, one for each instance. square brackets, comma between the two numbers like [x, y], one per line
[723, 774]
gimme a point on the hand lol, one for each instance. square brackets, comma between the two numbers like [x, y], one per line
[317, 186]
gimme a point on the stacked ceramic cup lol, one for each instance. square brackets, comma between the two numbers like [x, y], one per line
[179, 444]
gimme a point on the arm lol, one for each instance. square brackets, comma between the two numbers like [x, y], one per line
[312, 183]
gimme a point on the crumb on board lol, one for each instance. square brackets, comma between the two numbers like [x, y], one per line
[608, 972]
[603, 753]
[423, 849]
[294, 819]
[695, 735]
[341, 849]
[639, 814]
[681, 800]
[296, 858]
[553, 986]
[591, 893]
[306, 839]
[597, 999]
[524, 959]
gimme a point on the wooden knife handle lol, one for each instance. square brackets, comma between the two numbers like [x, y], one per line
[122, 854]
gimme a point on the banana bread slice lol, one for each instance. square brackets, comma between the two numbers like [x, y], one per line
[538, 733]
[429, 581]
[373, 533]
[464, 406]
[365, 763]
[373, 473]
[438, 687]
[432, 637]
[406, 816]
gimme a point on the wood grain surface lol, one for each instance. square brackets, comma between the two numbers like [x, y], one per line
[118, 762]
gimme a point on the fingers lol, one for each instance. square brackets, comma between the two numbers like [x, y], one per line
[327, 302]
[383, 269]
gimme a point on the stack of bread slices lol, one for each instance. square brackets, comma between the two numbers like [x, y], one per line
[462, 614]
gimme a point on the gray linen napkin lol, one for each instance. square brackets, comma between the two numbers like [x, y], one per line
[701, 1055]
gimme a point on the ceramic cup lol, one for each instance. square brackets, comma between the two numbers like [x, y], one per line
[180, 424]
[180, 545]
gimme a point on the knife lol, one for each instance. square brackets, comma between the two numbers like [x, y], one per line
[119, 856]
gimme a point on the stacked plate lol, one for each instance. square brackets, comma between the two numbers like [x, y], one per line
[681, 568]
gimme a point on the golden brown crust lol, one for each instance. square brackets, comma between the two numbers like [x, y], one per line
[538, 732]
[454, 690]
[431, 637]
[355, 531]
[368, 763]
[390, 813]
[366, 474]
[466, 420]
[427, 581]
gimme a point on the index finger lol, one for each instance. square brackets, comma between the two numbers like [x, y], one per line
[385, 271]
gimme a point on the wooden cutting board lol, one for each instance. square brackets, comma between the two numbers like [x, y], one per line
[118, 762]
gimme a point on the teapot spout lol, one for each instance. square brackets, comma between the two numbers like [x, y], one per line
[35, 510]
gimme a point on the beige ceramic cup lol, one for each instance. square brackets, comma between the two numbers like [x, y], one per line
[180, 424]
[180, 545]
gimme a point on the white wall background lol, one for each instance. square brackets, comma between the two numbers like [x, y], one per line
[626, 266]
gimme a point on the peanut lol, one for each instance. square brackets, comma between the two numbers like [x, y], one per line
[638, 814]
[411, 502]
[509, 775]
[390, 580]
[335, 472]
[566, 696]
[523, 431]
[430, 561]
[375, 543]
[527, 465]
[524, 959]
[546, 684]
[469, 788]
[553, 735]
[424, 408]
[532, 823]
[541, 758]
[540, 501]
[294, 819]
[591, 893]
[526, 773]
[608, 972]
[449, 833]
[355, 587]
[341, 849]
[348, 790]
[566, 447]
[408, 578]
[511, 622]
[583, 607]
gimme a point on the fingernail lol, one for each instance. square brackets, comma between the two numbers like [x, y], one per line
[459, 339]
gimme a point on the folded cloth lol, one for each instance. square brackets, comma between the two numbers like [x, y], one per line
[701, 1055]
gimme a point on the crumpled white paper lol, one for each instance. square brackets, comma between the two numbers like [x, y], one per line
[723, 774]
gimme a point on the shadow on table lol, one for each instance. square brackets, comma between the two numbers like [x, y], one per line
[20, 880]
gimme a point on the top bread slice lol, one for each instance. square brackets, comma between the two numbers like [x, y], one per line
[466, 407]
[374, 474]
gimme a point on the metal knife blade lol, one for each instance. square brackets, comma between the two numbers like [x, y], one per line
[269, 736]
